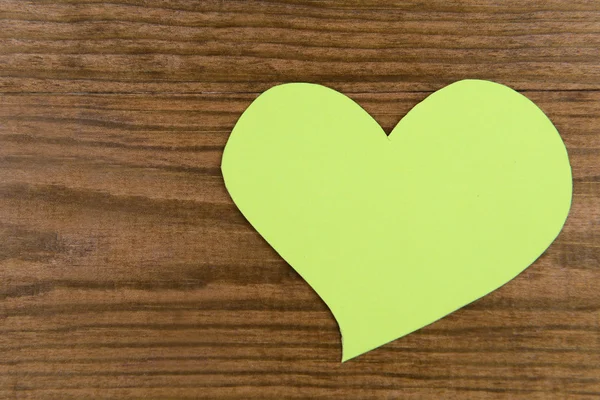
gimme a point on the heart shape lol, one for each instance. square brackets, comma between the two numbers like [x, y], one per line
[393, 233]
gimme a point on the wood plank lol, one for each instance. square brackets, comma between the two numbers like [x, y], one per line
[125, 269]
[208, 46]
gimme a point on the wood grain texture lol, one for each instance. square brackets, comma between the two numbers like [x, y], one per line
[127, 272]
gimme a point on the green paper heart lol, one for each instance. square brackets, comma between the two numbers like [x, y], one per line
[395, 232]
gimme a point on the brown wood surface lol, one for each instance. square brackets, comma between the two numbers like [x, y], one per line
[127, 272]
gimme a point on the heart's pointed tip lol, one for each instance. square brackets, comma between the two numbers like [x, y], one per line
[350, 350]
[348, 357]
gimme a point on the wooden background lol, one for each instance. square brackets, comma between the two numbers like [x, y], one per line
[127, 272]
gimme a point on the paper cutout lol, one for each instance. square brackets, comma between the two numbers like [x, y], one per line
[393, 233]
